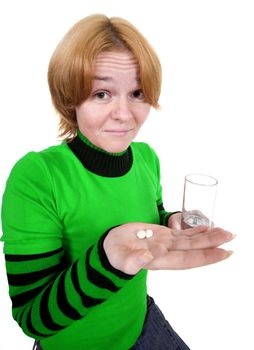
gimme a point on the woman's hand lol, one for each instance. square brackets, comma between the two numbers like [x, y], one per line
[167, 249]
[174, 221]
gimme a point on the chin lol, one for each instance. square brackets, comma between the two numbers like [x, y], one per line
[116, 148]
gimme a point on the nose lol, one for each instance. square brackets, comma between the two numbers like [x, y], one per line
[122, 110]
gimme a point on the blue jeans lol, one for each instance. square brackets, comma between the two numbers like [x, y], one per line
[157, 334]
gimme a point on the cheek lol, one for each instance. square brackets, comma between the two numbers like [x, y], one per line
[143, 113]
[86, 117]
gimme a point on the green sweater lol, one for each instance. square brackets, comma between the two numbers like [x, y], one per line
[57, 206]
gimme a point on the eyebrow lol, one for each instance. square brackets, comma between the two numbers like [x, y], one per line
[101, 78]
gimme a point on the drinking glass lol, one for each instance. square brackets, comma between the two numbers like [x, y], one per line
[198, 200]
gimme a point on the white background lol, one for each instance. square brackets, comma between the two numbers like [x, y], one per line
[206, 50]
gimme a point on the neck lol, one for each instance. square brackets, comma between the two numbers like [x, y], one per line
[99, 161]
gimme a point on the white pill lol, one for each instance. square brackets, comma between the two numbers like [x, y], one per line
[141, 234]
[149, 233]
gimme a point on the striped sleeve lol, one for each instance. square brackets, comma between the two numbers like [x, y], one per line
[47, 297]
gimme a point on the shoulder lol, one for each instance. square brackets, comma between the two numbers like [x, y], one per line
[37, 164]
[145, 151]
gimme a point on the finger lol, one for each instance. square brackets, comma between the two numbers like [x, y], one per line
[131, 261]
[137, 260]
[212, 238]
[208, 231]
[186, 259]
[174, 221]
[192, 231]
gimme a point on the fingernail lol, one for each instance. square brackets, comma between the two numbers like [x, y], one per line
[230, 252]
[145, 257]
[148, 256]
[234, 235]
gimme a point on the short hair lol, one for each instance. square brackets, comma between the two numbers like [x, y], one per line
[71, 67]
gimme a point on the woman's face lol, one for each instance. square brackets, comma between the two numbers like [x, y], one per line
[115, 111]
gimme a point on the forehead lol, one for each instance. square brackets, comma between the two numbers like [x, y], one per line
[116, 61]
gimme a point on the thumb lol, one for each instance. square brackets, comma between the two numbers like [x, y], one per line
[137, 260]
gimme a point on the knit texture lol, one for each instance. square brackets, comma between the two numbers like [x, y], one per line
[56, 207]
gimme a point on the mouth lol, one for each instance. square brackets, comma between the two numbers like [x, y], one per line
[121, 132]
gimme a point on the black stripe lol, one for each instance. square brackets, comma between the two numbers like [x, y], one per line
[62, 300]
[105, 262]
[23, 279]
[96, 277]
[25, 257]
[23, 298]
[160, 207]
[87, 301]
[46, 317]
[31, 328]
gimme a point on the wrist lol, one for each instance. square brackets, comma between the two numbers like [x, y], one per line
[102, 251]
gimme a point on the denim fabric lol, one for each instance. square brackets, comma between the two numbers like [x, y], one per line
[157, 334]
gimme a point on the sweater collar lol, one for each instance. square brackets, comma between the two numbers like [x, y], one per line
[99, 161]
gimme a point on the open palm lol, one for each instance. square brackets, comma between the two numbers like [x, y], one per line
[166, 249]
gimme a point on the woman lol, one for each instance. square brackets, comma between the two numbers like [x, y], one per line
[83, 221]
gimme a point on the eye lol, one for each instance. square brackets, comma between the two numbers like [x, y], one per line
[138, 94]
[101, 95]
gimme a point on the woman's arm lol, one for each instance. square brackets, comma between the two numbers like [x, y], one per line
[47, 295]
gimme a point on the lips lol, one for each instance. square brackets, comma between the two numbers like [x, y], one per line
[115, 130]
[121, 132]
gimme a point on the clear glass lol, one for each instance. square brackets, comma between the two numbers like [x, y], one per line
[198, 200]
